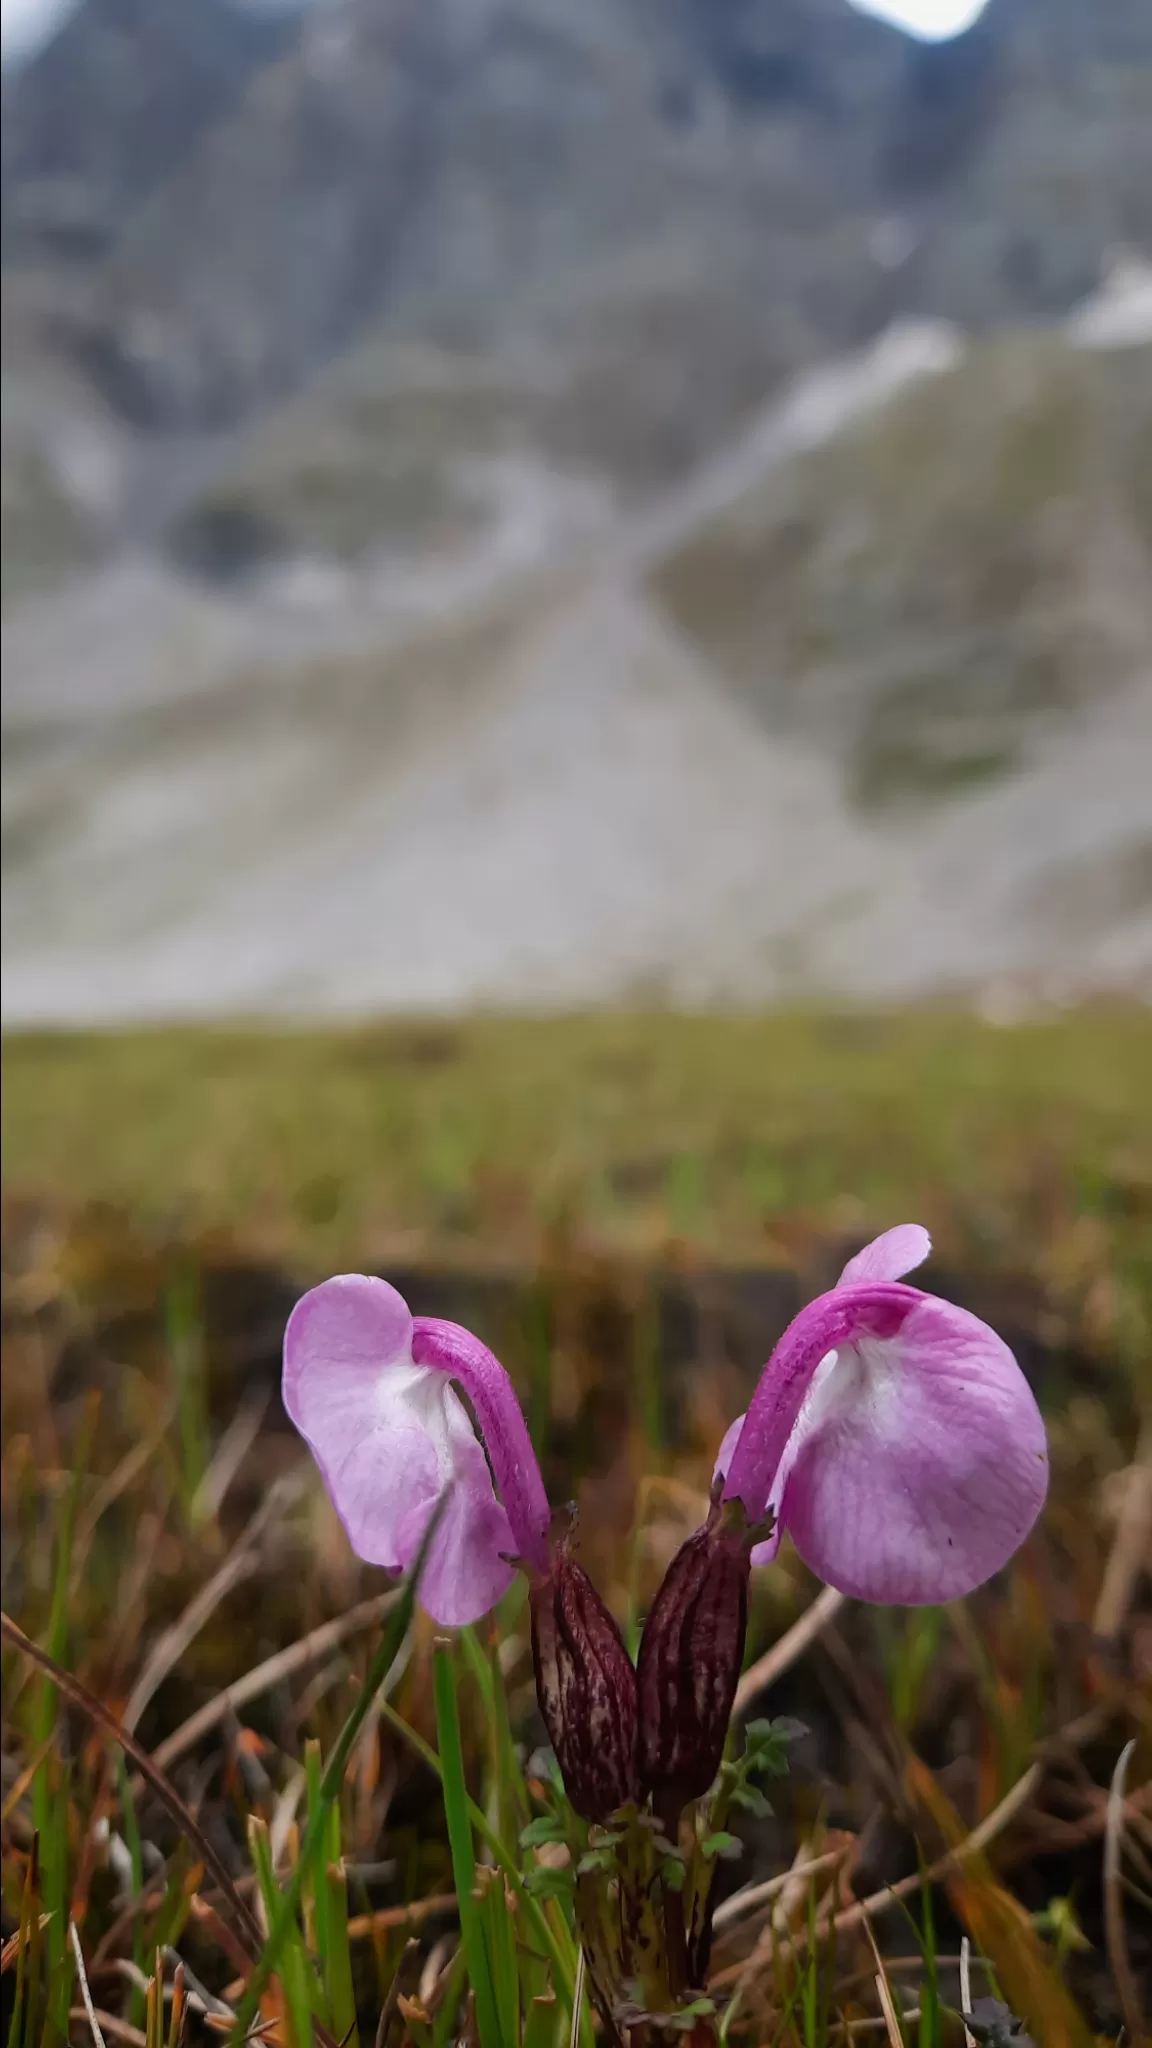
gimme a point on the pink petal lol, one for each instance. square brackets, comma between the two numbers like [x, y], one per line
[384, 1489]
[724, 1454]
[920, 1465]
[466, 1573]
[340, 1340]
[762, 1553]
[390, 1437]
[889, 1256]
[388, 1484]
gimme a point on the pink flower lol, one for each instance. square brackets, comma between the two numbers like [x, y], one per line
[893, 1435]
[369, 1388]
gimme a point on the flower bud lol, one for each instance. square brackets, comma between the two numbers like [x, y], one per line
[690, 1657]
[586, 1686]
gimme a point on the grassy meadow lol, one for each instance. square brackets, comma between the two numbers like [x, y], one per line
[249, 1792]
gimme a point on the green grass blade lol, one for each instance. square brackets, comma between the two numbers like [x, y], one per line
[32, 2034]
[541, 2022]
[507, 1807]
[555, 1940]
[399, 1622]
[336, 1958]
[174, 1908]
[512, 1811]
[456, 1810]
[29, 1912]
[444, 2025]
[473, 1653]
[294, 1966]
[316, 1876]
[184, 1337]
[136, 1859]
[51, 1812]
[564, 1962]
[500, 1938]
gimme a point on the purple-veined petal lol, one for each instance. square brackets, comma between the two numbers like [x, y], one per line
[390, 1437]
[889, 1256]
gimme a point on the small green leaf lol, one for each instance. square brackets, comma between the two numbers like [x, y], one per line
[789, 1729]
[548, 1828]
[752, 1799]
[722, 1845]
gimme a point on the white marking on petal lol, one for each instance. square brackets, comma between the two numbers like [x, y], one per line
[422, 1397]
[829, 1390]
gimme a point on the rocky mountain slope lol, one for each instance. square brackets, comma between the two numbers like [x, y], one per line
[111, 106]
[652, 762]
[497, 512]
[677, 197]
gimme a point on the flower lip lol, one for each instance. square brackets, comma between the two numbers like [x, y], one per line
[896, 1436]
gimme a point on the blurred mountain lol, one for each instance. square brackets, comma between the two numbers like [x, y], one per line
[510, 502]
[862, 706]
[110, 107]
[923, 593]
[585, 178]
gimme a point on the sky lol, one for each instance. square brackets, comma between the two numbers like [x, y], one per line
[25, 24]
[932, 21]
